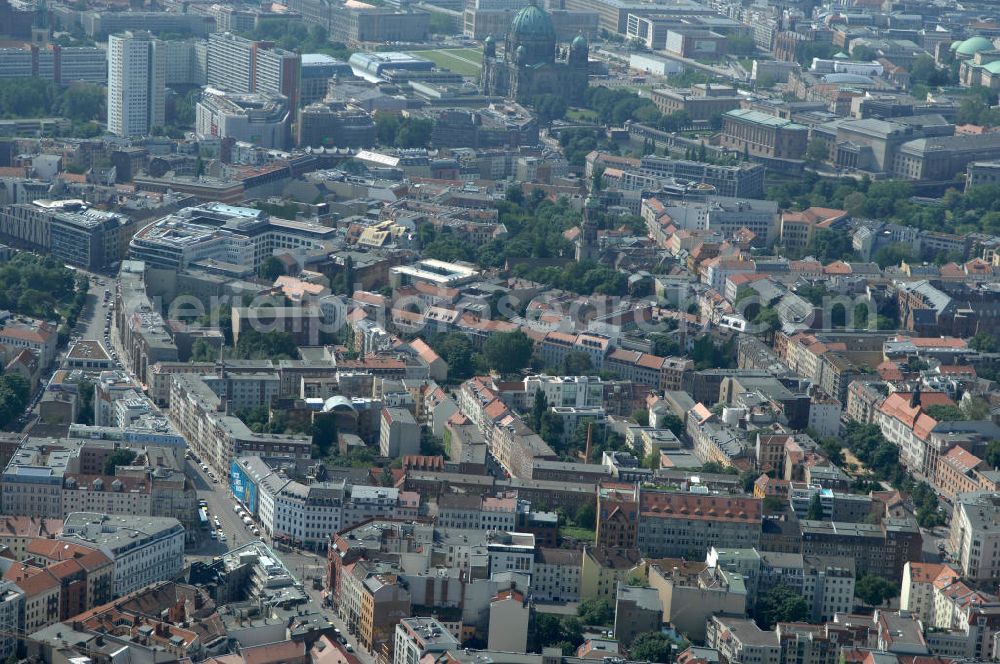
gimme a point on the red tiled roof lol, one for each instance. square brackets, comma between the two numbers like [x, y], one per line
[700, 507]
[32, 580]
[934, 342]
[957, 370]
[927, 572]
[837, 267]
[425, 352]
[962, 460]
[273, 653]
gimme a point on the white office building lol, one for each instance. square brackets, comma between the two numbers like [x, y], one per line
[136, 80]
[145, 549]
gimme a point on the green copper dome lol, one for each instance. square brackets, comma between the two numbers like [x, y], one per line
[579, 43]
[532, 23]
[993, 67]
[973, 45]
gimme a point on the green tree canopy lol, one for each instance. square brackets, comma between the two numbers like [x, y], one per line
[456, 350]
[596, 612]
[577, 363]
[393, 130]
[815, 511]
[271, 268]
[780, 604]
[992, 456]
[875, 590]
[202, 351]
[508, 352]
[120, 457]
[946, 413]
[817, 150]
[651, 647]
[324, 435]
[254, 345]
[984, 342]
[586, 517]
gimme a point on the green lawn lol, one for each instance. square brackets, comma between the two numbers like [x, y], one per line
[577, 533]
[581, 115]
[464, 61]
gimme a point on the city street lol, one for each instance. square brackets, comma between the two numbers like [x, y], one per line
[305, 566]
[92, 320]
[220, 505]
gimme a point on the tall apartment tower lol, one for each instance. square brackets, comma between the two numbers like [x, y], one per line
[136, 84]
[237, 64]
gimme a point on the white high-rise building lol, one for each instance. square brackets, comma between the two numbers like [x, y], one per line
[136, 80]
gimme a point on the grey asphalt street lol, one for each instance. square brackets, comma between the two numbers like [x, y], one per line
[302, 564]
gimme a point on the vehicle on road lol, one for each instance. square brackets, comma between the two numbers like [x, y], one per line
[222, 537]
[213, 535]
[247, 520]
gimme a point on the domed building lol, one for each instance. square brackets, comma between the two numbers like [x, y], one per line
[971, 46]
[528, 66]
[980, 63]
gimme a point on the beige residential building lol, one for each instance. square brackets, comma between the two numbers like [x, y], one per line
[41, 595]
[509, 616]
[603, 569]
[956, 473]
[106, 494]
[740, 641]
[691, 592]
[216, 437]
[556, 575]
[18, 532]
[920, 583]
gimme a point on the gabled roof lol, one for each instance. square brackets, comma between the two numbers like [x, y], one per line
[424, 351]
[32, 580]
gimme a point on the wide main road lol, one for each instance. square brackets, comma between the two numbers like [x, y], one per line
[220, 506]
[215, 492]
